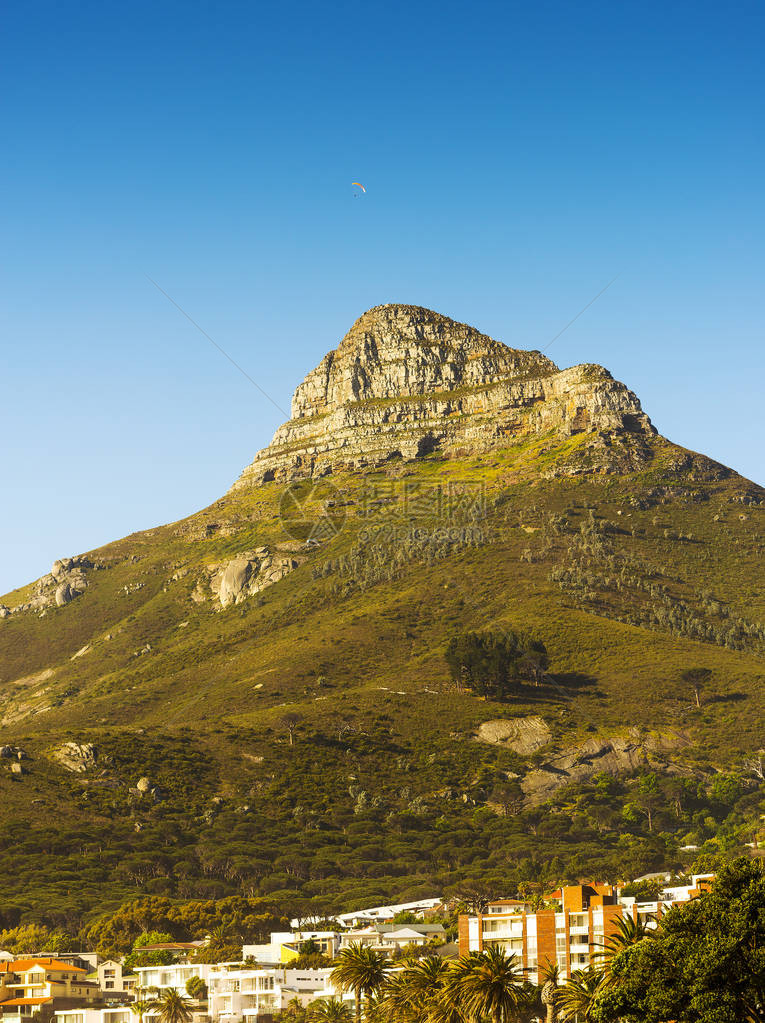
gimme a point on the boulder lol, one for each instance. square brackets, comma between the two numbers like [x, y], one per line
[77, 757]
[60, 567]
[143, 785]
[234, 581]
[248, 574]
[13, 753]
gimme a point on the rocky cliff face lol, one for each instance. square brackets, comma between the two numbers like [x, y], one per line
[406, 381]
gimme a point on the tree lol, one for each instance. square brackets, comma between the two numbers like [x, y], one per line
[648, 798]
[329, 1010]
[485, 662]
[295, 1012]
[140, 1007]
[196, 988]
[475, 895]
[172, 1007]
[534, 663]
[509, 795]
[755, 765]
[491, 985]
[361, 970]
[289, 723]
[627, 934]
[697, 679]
[550, 993]
[310, 961]
[418, 984]
[706, 963]
[578, 995]
[157, 957]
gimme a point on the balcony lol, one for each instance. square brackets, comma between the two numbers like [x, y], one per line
[508, 931]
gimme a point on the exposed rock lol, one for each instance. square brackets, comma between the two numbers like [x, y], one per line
[522, 735]
[143, 785]
[233, 582]
[77, 757]
[248, 574]
[64, 593]
[66, 580]
[5, 611]
[17, 768]
[612, 755]
[406, 381]
[13, 753]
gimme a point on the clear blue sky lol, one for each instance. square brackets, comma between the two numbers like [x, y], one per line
[516, 158]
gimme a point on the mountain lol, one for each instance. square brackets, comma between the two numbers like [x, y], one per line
[405, 381]
[255, 700]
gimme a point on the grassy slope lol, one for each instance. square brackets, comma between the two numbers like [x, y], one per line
[331, 646]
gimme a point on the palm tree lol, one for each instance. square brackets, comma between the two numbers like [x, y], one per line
[411, 995]
[628, 933]
[173, 1007]
[359, 969]
[140, 1007]
[577, 996]
[329, 1010]
[491, 984]
[395, 1000]
[550, 976]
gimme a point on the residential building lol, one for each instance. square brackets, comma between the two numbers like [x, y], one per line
[285, 946]
[41, 985]
[113, 980]
[251, 995]
[120, 1014]
[571, 929]
[390, 938]
[385, 914]
[87, 960]
[174, 976]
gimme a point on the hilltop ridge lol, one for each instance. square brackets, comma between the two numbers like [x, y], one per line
[406, 381]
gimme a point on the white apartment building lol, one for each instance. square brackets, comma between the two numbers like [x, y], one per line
[175, 975]
[385, 914]
[235, 995]
[119, 1015]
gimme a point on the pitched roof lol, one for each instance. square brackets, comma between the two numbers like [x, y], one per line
[21, 965]
[27, 1001]
[405, 932]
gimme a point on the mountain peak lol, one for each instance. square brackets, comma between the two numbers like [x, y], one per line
[406, 379]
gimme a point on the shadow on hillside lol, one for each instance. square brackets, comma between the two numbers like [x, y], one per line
[725, 698]
[565, 686]
[555, 688]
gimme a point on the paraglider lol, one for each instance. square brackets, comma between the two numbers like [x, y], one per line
[358, 184]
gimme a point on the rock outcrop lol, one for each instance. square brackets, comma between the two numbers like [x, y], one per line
[77, 757]
[619, 754]
[67, 579]
[522, 735]
[248, 574]
[407, 381]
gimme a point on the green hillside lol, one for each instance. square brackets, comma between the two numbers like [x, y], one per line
[309, 745]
